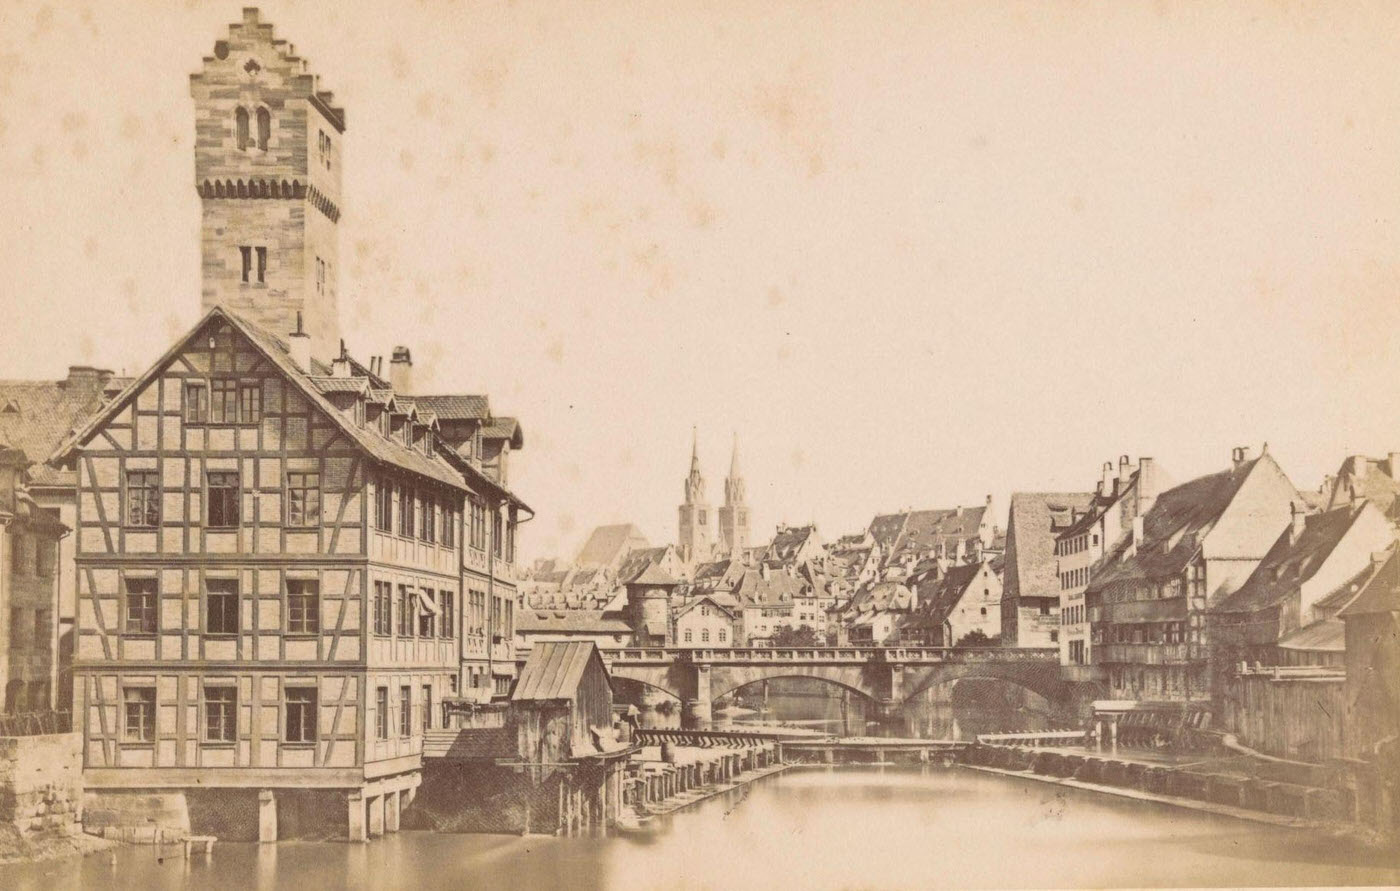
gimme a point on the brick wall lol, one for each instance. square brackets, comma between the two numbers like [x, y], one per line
[41, 783]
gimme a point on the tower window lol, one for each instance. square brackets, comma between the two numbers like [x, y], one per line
[264, 128]
[247, 253]
[262, 264]
[240, 126]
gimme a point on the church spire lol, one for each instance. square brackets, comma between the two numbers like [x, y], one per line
[734, 458]
[734, 483]
[694, 481]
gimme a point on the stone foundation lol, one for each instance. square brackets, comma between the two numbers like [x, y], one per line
[41, 783]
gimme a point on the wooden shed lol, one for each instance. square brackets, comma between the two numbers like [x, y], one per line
[562, 703]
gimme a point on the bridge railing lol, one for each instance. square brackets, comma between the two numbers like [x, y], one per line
[654, 736]
[841, 655]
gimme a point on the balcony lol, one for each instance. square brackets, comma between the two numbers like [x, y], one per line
[1143, 654]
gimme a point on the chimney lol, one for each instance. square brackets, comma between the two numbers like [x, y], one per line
[401, 371]
[1299, 521]
[1106, 484]
[1139, 532]
[1239, 456]
[1359, 466]
[85, 374]
[1147, 485]
[299, 345]
[1125, 469]
[341, 366]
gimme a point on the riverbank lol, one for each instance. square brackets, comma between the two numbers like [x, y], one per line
[1221, 789]
[16, 848]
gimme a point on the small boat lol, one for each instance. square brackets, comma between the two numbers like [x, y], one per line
[635, 825]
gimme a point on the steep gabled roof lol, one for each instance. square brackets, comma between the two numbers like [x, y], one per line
[554, 670]
[1373, 479]
[653, 574]
[1035, 519]
[570, 621]
[37, 416]
[639, 560]
[1290, 563]
[275, 350]
[705, 599]
[1381, 594]
[609, 545]
[1173, 529]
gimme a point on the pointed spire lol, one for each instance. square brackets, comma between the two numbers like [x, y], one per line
[734, 458]
[694, 447]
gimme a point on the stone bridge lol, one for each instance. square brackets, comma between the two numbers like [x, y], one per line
[887, 676]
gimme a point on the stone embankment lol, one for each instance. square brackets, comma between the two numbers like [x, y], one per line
[669, 778]
[1236, 786]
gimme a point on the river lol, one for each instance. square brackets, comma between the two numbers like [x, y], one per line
[810, 828]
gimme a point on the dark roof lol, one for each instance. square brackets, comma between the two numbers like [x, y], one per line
[1290, 563]
[505, 428]
[1329, 635]
[387, 450]
[471, 744]
[653, 575]
[457, 407]
[341, 384]
[786, 542]
[37, 416]
[554, 669]
[639, 560]
[1381, 594]
[1373, 479]
[1034, 521]
[1172, 529]
[575, 621]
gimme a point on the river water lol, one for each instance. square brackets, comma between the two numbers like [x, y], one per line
[809, 828]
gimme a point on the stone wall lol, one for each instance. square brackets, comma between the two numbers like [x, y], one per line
[41, 783]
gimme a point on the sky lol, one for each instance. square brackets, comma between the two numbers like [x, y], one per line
[910, 253]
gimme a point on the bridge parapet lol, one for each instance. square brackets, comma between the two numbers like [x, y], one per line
[825, 655]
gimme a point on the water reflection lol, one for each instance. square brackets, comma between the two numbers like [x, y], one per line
[814, 828]
[956, 711]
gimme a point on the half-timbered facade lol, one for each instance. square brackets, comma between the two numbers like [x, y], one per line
[269, 575]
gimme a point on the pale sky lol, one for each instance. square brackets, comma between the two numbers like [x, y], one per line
[911, 253]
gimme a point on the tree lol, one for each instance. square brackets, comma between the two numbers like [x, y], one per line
[799, 636]
[978, 638]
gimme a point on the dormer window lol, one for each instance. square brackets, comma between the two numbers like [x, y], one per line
[428, 443]
[359, 411]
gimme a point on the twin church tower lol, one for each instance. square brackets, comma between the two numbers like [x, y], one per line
[698, 540]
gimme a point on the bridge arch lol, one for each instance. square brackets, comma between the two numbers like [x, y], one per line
[623, 679]
[788, 674]
[1041, 679]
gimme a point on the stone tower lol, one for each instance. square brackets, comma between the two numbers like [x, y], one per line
[267, 158]
[734, 516]
[696, 540]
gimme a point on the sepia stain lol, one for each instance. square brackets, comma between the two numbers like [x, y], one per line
[555, 352]
[776, 297]
[702, 215]
[43, 20]
[406, 160]
[979, 141]
[719, 149]
[133, 302]
[398, 62]
[37, 157]
[784, 353]
[566, 522]
[130, 127]
[798, 458]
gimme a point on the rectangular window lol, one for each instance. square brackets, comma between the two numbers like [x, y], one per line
[221, 606]
[381, 713]
[247, 255]
[44, 557]
[222, 498]
[220, 714]
[445, 531]
[510, 541]
[139, 704]
[405, 711]
[196, 402]
[301, 714]
[406, 511]
[426, 702]
[16, 627]
[140, 614]
[407, 610]
[18, 561]
[429, 518]
[303, 499]
[449, 614]
[496, 533]
[42, 619]
[262, 265]
[143, 499]
[427, 619]
[384, 505]
[303, 606]
[478, 530]
[250, 403]
[382, 608]
[223, 401]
